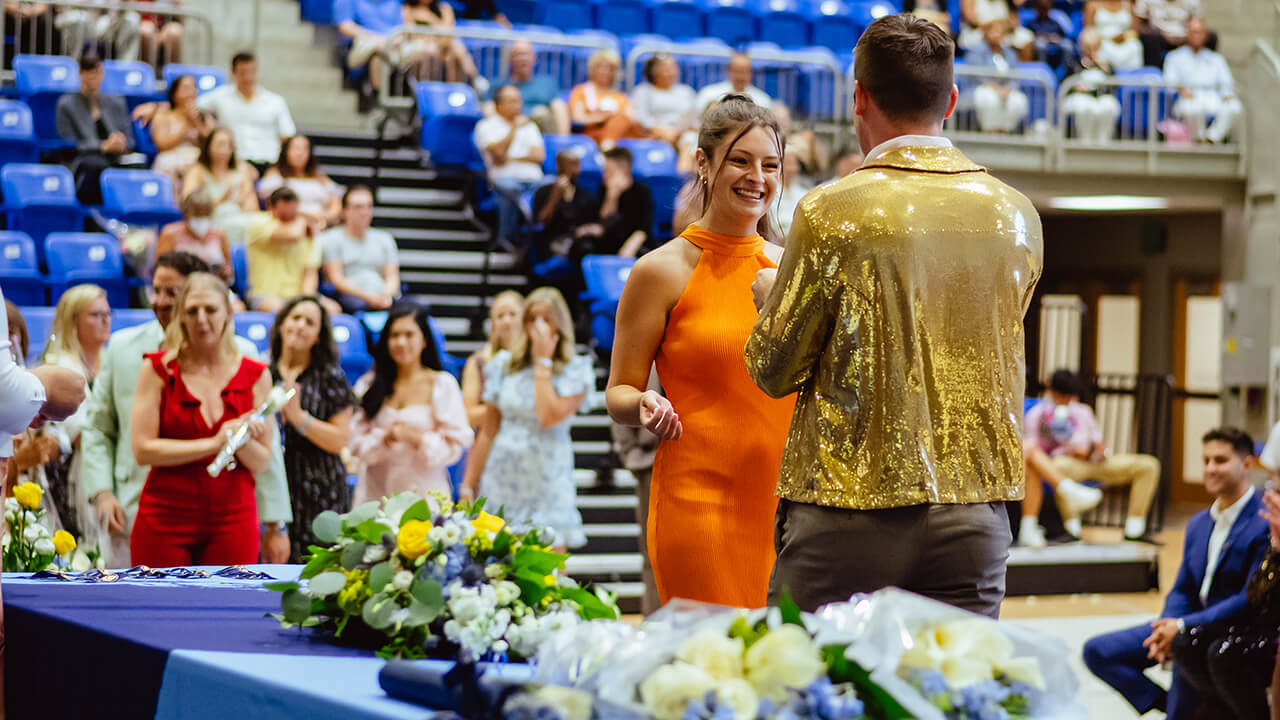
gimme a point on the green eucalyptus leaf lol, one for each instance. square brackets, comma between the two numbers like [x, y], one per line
[296, 606]
[420, 614]
[327, 526]
[377, 611]
[428, 592]
[417, 511]
[353, 555]
[361, 513]
[380, 575]
[327, 583]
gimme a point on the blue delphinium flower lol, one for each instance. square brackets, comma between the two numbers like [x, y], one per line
[979, 701]
[823, 701]
[1023, 699]
[929, 682]
[456, 557]
[708, 708]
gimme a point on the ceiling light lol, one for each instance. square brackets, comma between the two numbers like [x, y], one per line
[1108, 203]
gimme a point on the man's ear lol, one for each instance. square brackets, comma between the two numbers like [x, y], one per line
[951, 106]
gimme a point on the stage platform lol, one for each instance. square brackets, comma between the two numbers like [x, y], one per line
[1084, 567]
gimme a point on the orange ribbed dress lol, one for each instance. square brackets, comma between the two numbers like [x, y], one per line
[712, 502]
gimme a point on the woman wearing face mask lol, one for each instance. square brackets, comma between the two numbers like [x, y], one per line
[411, 425]
[504, 328]
[195, 234]
[688, 307]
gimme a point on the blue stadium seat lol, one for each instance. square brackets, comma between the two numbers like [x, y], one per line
[834, 26]
[42, 79]
[20, 270]
[604, 276]
[816, 92]
[240, 268]
[353, 352]
[567, 14]
[135, 81]
[40, 199]
[865, 12]
[207, 76]
[39, 325]
[256, 328]
[451, 363]
[654, 164]
[319, 12]
[678, 19]
[17, 133]
[127, 318]
[592, 161]
[733, 21]
[138, 197]
[785, 22]
[1135, 103]
[449, 114]
[76, 258]
[629, 42]
[622, 17]
[1037, 95]
[143, 142]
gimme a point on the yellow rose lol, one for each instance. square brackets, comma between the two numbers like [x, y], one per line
[412, 540]
[63, 542]
[28, 493]
[484, 522]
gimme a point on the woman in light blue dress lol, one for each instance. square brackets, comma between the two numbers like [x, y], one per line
[522, 460]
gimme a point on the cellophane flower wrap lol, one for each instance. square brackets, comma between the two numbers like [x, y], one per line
[425, 577]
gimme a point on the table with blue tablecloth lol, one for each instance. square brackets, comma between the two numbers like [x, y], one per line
[180, 649]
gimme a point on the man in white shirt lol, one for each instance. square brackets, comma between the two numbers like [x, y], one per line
[259, 119]
[513, 152]
[739, 82]
[362, 262]
[1205, 86]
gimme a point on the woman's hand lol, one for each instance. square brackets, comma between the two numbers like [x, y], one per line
[543, 339]
[659, 417]
[292, 410]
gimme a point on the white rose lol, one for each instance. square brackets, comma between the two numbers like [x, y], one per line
[31, 533]
[374, 554]
[719, 655]
[668, 691]
[506, 592]
[571, 704]
[740, 696]
[975, 637]
[44, 546]
[435, 535]
[963, 671]
[402, 581]
[784, 659]
[1025, 670]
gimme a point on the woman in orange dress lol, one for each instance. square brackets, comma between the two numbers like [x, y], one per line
[688, 307]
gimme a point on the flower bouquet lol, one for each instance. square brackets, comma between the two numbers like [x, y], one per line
[28, 546]
[429, 578]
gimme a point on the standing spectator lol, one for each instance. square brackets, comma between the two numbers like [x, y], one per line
[361, 261]
[1052, 44]
[161, 34]
[664, 105]
[978, 14]
[111, 33]
[1000, 105]
[179, 130]
[258, 118]
[196, 234]
[319, 198]
[513, 152]
[317, 421]
[739, 83]
[227, 180]
[32, 26]
[504, 330]
[284, 260]
[1163, 26]
[411, 425]
[625, 213]
[523, 457]
[1205, 86]
[603, 110]
[1118, 45]
[1090, 103]
[98, 125]
[370, 24]
[540, 92]
[458, 65]
[562, 206]
[636, 448]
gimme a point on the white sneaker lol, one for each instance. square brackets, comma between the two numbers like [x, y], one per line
[1030, 534]
[1073, 526]
[1135, 527]
[1077, 499]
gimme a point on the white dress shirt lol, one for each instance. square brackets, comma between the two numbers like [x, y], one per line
[1204, 72]
[905, 141]
[1223, 519]
[496, 128]
[21, 393]
[258, 124]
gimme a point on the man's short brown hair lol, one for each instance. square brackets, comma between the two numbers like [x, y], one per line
[906, 65]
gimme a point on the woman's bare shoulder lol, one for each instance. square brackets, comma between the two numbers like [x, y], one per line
[666, 270]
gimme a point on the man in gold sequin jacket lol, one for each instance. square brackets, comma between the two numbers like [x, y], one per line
[896, 316]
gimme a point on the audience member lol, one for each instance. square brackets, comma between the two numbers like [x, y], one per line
[370, 25]
[1205, 86]
[32, 27]
[227, 180]
[1090, 103]
[1224, 546]
[523, 457]
[100, 128]
[513, 152]
[848, 159]
[195, 234]
[317, 421]
[179, 130]
[192, 395]
[1118, 46]
[600, 107]
[625, 212]
[1073, 499]
[664, 105]
[161, 38]
[29, 450]
[637, 448]
[108, 33]
[361, 261]
[258, 118]
[1162, 26]
[319, 198]
[739, 83]
[807, 146]
[1052, 43]
[978, 14]
[284, 260]
[540, 92]
[504, 329]
[562, 206]
[111, 479]
[1000, 105]
[411, 425]
[796, 183]
[929, 10]
[447, 50]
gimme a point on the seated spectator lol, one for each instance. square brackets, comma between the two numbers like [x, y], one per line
[1000, 105]
[625, 212]
[179, 130]
[562, 206]
[319, 198]
[666, 106]
[739, 82]
[161, 38]
[848, 159]
[1205, 87]
[32, 26]
[796, 183]
[1224, 546]
[227, 180]
[513, 153]
[360, 261]
[448, 50]
[541, 93]
[100, 128]
[1162, 26]
[258, 118]
[504, 331]
[109, 33]
[283, 258]
[1090, 104]
[195, 234]
[1052, 44]
[978, 14]
[1112, 22]
[929, 10]
[370, 24]
[600, 107]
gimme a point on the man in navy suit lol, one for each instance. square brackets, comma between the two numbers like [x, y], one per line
[1224, 545]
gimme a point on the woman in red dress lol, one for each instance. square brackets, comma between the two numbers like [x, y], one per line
[192, 394]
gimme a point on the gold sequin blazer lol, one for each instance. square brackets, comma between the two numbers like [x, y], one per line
[897, 319]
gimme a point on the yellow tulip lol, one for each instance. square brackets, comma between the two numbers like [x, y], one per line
[484, 522]
[63, 542]
[412, 540]
[28, 494]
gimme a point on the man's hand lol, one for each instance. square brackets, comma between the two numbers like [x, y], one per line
[380, 301]
[275, 546]
[63, 393]
[1159, 644]
[589, 229]
[29, 452]
[109, 512]
[114, 143]
[763, 285]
